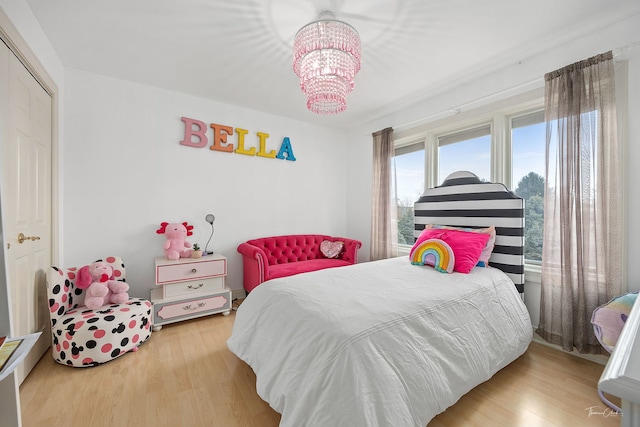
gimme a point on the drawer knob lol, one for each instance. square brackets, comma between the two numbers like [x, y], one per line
[193, 270]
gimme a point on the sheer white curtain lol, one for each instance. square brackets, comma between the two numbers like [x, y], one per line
[582, 250]
[383, 212]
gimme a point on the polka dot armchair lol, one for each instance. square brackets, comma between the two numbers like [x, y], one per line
[82, 337]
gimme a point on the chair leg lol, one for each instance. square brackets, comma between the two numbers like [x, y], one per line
[609, 403]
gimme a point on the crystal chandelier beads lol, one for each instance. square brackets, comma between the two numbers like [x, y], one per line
[326, 58]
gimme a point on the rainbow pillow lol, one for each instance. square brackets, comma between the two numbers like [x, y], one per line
[434, 252]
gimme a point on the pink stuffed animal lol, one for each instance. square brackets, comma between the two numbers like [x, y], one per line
[174, 246]
[97, 279]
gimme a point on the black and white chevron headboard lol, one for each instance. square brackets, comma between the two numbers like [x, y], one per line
[464, 201]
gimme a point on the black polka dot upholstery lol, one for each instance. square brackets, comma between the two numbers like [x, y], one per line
[82, 337]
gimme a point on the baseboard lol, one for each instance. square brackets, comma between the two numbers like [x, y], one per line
[238, 294]
[597, 358]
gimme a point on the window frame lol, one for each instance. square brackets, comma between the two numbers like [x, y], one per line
[484, 128]
[499, 117]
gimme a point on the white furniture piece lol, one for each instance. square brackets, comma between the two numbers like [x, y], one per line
[621, 376]
[188, 288]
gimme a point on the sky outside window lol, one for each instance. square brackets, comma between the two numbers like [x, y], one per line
[528, 151]
[473, 155]
[409, 172]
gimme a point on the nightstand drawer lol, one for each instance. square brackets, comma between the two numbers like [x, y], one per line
[181, 270]
[193, 287]
[187, 288]
[174, 309]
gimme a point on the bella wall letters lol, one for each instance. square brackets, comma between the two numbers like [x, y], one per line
[198, 129]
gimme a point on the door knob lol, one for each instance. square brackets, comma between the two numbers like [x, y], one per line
[22, 238]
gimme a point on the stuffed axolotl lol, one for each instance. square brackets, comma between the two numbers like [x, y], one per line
[101, 289]
[176, 246]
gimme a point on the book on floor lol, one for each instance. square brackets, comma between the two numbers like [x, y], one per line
[14, 350]
[7, 350]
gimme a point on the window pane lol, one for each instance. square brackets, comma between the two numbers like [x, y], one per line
[473, 155]
[408, 186]
[528, 151]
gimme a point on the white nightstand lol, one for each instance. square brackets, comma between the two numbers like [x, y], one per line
[188, 288]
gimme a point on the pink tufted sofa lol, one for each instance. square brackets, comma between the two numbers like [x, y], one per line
[280, 256]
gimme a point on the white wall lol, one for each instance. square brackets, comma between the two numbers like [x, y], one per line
[22, 18]
[125, 172]
[525, 75]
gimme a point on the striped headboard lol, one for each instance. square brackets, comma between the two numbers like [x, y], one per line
[464, 201]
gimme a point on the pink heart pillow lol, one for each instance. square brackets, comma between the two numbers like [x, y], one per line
[331, 249]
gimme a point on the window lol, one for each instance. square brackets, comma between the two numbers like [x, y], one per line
[408, 186]
[469, 150]
[507, 146]
[528, 139]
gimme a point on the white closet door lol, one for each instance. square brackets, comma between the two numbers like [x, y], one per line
[25, 150]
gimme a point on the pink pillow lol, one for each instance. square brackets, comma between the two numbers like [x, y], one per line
[466, 246]
[488, 248]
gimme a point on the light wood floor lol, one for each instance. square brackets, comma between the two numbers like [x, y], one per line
[185, 376]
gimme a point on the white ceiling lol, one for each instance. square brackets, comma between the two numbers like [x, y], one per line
[239, 51]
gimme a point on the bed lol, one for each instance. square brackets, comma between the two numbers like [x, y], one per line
[384, 343]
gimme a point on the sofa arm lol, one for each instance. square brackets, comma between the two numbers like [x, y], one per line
[254, 264]
[351, 247]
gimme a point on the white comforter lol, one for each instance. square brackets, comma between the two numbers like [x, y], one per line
[383, 343]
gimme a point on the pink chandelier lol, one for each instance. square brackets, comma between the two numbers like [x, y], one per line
[326, 58]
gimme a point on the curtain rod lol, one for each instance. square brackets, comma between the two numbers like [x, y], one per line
[459, 108]
[619, 54]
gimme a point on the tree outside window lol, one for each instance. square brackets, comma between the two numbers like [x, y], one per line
[473, 149]
[531, 189]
